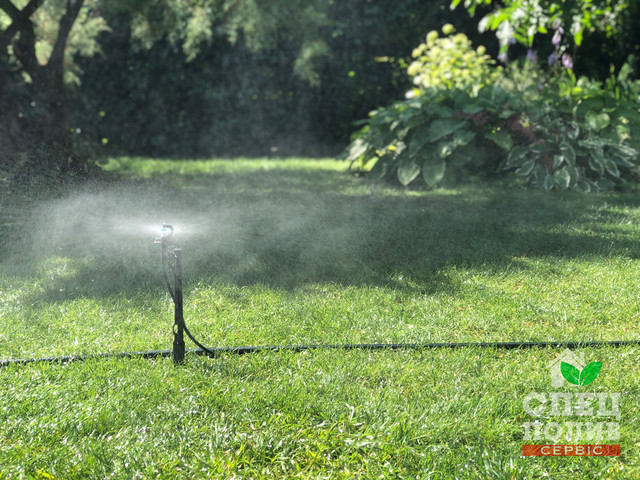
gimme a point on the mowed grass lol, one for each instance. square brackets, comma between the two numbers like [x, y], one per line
[295, 252]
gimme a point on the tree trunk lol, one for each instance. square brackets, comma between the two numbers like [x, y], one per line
[35, 114]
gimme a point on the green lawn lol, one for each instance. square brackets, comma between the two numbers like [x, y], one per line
[295, 252]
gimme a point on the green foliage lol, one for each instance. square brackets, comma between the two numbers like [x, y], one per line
[83, 38]
[440, 132]
[589, 36]
[574, 134]
[451, 62]
[580, 137]
[227, 77]
[523, 19]
[258, 24]
[296, 92]
[191, 26]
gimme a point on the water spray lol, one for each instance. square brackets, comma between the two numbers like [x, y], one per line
[172, 260]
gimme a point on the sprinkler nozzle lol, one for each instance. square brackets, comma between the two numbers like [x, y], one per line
[165, 234]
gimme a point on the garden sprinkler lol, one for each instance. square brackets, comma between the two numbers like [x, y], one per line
[165, 234]
[173, 257]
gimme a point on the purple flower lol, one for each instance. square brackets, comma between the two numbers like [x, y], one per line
[557, 37]
[503, 57]
[552, 59]
[532, 55]
[567, 61]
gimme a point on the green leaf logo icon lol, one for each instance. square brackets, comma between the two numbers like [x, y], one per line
[576, 377]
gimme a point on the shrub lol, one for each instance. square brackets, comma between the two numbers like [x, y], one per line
[441, 132]
[581, 136]
[568, 133]
[451, 62]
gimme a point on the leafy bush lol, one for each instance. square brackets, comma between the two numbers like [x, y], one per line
[581, 136]
[451, 62]
[568, 133]
[439, 129]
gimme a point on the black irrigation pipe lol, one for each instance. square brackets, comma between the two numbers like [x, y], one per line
[216, 352]
[221, 351]
[83, 358]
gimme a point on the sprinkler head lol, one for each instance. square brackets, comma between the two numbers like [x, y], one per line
[165, 234]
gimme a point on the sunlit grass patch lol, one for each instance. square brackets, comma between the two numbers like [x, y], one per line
[281, 252]
[454, 413]
[151, 167]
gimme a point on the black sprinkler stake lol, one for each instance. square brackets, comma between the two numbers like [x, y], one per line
[173, 257]
[178, 325]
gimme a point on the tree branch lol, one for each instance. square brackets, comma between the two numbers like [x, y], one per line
[25, 48]
[55, 65]
[19, 17]
[11, 10]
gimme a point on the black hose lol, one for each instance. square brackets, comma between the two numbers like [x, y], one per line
[205, 350]
[82, 358]
[219, 351]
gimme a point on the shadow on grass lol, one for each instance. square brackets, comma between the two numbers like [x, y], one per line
[288, 228]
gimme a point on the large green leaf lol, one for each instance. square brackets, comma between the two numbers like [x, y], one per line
[557, 161]
[445, 148]
[408, 168]
[402, 133]
[517, 155]
[418, 140]
[549, 182]
[562, 178]
[444, 126]
[501, 138]
[623, 162]
[415, 119]
[574, 175]
[611, 167]
[597, 121]
[573, 131]
[357, 149]
[504, 114]
[596, 161]
[433, 171]
[381, 167]
[463, 136]
[542, 147]
[526, 168]
[568, 153]
[624, 152]
[590, 105]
